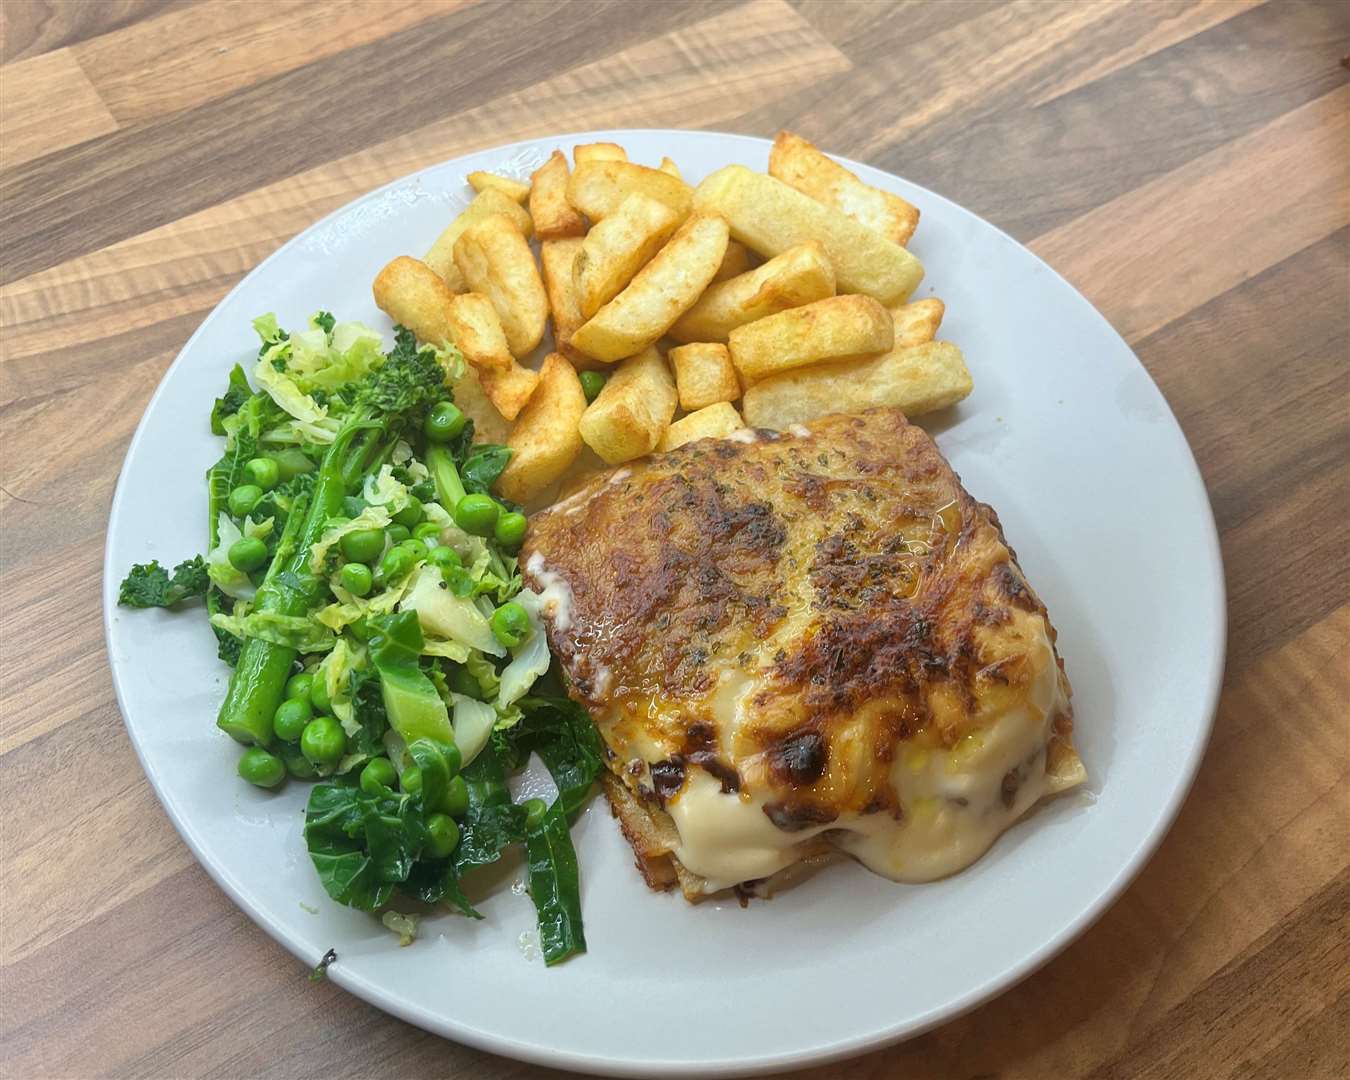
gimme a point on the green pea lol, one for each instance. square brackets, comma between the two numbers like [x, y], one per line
[416, 549]
[592, 382]
[377, 775]
[292, 463]
[442, 835]
[323, 741]
[295, 761]
[411, 780]
[264, 472]
[510, 530]
[456, 799]
[248, 553]
[259, 767]
[291, 719]
[298, 685]
[460, 581]
[535, 809]
[510, 625]
[397, 561]
[462, 682]
[244, 498]
[429, 533]
[398, 533]
[318, 694]
[443, 423]
[477, 514]
[443, 558]
[356, 578]
[411, 514]
[360, 630]
[363, 545]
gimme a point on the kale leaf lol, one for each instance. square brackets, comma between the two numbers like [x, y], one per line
[482, 466]
[150, 585]
[555, 886]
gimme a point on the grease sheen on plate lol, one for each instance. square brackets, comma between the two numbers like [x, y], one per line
[1099, 496]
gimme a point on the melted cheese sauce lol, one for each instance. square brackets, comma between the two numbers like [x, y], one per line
[955, 804]
[555, 594]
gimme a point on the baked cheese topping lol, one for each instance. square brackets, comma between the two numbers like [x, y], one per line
[954, 803]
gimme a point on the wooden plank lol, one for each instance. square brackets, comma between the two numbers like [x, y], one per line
[713, 67]
[1168, 27]
[31, 27]
[94, 396]
[216, 52]
[86, 197]
[851, 24]
[48, 104]
[1212, 223]
[979, 61]
[1202, 92]
[1305, 965]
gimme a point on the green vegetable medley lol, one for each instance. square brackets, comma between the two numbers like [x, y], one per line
[361, 581]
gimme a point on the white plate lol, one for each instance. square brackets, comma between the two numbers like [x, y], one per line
[1065, 435]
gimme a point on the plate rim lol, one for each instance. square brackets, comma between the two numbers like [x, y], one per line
[745, 1065]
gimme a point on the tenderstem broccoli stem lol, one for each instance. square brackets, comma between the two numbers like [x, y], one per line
[291, 588]
[441, 465]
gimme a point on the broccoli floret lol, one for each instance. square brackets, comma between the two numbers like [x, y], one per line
[150, 585]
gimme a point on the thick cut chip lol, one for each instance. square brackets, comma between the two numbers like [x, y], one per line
[668, 166]
[801, 275]
[558, 257]
[633, 410]
[797, 162]
[489, 425]
[514, 190]
[836, 328]
[545, 440]
[800, 642]
[414, 295]
[769, 217]
[735, 261]
[476, 330]
[497, 262]
[662, 291]
[618, 247]
[704, 375]
[554, 217]
[441, 257]
[916, 379]
[712, 422]
[599, 151]
[917, 322]
[598, 188]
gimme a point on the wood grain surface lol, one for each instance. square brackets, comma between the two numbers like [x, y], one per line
[1186, 164]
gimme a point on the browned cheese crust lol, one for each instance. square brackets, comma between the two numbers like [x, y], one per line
[839, 575]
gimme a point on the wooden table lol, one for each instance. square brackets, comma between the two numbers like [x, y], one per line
[1187, 165]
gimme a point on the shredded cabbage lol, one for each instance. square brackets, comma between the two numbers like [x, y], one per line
[473, 721]
[530, 658]
[372, 517]
[232, 582]
[442, 613]
[450, 650]
[298, 632]
[335, 670]
[282, 389]
[385, 490]
[350, 608]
